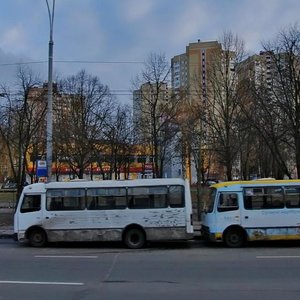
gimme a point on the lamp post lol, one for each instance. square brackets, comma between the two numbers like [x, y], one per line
[198, 165]
[49, 128]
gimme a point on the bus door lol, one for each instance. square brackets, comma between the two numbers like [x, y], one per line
[30, 212]
[228, 209]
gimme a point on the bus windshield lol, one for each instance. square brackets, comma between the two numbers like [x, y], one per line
[210, 201]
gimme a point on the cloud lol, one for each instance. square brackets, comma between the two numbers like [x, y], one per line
[14, 38]
[78, 33]
[134, 10]
[119, 30]
[259, 20]
[190, 23]
[9, 64]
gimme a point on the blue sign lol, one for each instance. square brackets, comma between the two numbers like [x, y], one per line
[41, 168]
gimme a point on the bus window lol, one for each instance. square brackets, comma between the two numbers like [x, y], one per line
[228, 202]
[176, 196]
[106, 198]
[147, 197]
[31, 203]
[65, 199]
[292, 197]
[263, 198]
[247, 202]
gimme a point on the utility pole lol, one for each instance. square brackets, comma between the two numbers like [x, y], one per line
[49, 130]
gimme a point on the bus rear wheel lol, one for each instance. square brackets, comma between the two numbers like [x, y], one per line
[37, 237]
[134, 238]
[234, 238]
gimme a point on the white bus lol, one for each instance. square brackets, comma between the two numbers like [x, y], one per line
[242, 211]
[133, 211]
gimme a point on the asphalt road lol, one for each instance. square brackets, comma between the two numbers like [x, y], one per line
[174, 271]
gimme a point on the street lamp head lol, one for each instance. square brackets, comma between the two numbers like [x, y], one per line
[51, 18]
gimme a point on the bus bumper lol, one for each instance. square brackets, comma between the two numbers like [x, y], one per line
[20, 236]
[210, 236]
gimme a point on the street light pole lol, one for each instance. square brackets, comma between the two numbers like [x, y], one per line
[50, 95]
[198, 165]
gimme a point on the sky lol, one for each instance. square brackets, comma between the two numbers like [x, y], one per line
[112, 38]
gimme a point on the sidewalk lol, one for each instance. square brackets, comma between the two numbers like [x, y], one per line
[6, 223]
[6, 232]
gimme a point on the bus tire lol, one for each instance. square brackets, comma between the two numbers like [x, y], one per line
[37, 237]
[234, 238]
[134, 238]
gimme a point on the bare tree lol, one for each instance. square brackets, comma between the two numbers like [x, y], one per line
[156, 110]
[22, 119]
[264, 130]
[117, 136]
[285, 90]
[81, 115]
[222, 101]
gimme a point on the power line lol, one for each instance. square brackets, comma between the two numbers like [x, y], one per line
[98, 62]
[72, 62]
[22, 63]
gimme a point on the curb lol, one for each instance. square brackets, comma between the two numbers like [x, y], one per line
[4, 236]
[9, 234]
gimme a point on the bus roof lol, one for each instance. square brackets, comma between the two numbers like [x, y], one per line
[41, 187]
[244, 183]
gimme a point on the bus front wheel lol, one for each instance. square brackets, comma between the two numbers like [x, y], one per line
[134, 238]
[37, 237]
[234, 238]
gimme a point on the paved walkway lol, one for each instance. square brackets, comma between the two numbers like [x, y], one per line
[6, 223]
[6, 232]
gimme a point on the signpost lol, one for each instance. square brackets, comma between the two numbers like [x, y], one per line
[41, 168]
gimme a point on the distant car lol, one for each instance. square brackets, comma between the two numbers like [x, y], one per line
[9, 186]
[210, 182]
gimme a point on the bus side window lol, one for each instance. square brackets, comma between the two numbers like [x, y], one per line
[176, 196]
[31, 203]
[248, 202]
[147, 197]
[292, 197]
[55, 204]
[263, 198]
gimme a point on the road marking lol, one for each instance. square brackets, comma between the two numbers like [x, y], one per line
[277, 256]
[40, 282]
[67, 256]
[112, 266]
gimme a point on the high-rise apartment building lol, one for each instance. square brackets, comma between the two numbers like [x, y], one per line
[190, 77]
[258, 68]
[147, 100]
[189, 71]
[61, 102]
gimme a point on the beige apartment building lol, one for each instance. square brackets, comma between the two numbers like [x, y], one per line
[190, 77]
[189, 71]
